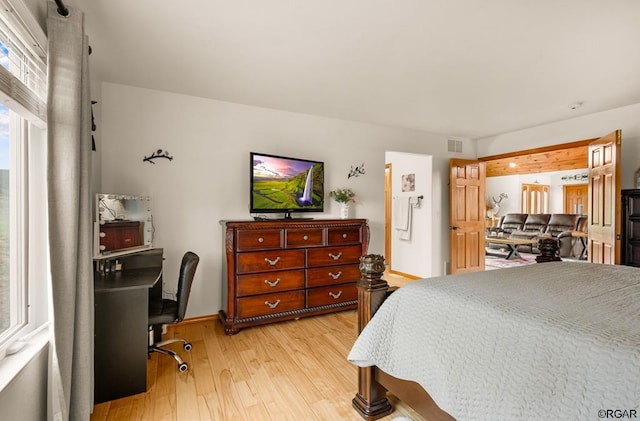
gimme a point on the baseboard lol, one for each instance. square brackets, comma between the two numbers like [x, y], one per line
[198, 319]
[404, 275]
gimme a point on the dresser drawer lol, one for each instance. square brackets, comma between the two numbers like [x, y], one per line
[331, 295]
[333, 256]
[346, 235]
[332, 275]
[308, 237]
[262, 305]
[269, 282]
[263, 261]
[259, 239]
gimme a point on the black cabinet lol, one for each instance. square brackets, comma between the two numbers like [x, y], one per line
[631, 227]
[122, 301]
[120, 343]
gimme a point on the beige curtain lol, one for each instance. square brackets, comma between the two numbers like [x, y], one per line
[70, 221]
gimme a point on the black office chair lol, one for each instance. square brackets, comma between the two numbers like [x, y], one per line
[173, 311]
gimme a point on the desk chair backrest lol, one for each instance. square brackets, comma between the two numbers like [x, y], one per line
[187, 271]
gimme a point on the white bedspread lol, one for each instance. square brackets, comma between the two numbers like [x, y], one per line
[552, 341]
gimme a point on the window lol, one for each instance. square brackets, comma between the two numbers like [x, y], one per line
[12, 285]
[22, 177]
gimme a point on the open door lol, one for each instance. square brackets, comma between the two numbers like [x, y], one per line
[467, 210]
[604, 201]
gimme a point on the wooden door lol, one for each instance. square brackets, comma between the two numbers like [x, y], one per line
[534, 198]
[575, 198]
[466, 215]
[604, 201]
[387, 214]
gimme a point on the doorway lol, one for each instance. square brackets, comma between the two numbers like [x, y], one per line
[410, 240]
[575, 198]
[534, 198]
[535, 180]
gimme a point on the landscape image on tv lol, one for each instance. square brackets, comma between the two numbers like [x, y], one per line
[286, 184]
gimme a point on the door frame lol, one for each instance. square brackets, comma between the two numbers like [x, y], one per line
[387, 212]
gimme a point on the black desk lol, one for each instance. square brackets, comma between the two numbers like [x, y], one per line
[122, 301]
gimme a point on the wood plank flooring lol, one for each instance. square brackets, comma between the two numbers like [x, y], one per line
[293, 370]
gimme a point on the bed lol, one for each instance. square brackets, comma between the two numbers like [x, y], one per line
[557, 340]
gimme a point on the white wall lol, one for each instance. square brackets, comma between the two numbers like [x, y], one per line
[580, 128]
[25, 397]
[510, 184]
[403, 258]
[208, 179]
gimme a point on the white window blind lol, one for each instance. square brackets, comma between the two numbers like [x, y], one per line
[23, 74]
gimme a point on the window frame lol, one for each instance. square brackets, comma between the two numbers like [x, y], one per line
[23, 92]
[19, 297]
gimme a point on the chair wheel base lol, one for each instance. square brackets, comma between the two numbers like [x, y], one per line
[183, 367]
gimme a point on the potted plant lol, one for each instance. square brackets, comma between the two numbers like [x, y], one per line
[344, 197]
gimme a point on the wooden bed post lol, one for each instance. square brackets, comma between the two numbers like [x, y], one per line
[371, 400]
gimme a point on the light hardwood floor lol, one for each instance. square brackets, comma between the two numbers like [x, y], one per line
[293, 370]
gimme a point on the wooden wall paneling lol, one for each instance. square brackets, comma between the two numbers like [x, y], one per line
[567, 156]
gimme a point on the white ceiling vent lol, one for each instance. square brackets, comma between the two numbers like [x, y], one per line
[455, 146]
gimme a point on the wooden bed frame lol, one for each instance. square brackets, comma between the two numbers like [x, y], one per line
[371, 401]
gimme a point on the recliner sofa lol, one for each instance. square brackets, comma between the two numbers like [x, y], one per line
[530, 226]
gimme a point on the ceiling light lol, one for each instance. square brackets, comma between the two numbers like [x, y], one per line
[575, 105]
[512, 164]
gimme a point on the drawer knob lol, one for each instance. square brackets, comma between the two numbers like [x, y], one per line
[344, 235]
[260, 240]
[272, 284]
[306, 237]
[274, 305]
[335, 275]
[335, 296]
[272, 262]
[335, 256]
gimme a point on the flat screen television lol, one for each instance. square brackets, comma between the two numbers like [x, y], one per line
[281, 184]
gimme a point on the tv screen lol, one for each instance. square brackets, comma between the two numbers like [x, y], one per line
[286, 185]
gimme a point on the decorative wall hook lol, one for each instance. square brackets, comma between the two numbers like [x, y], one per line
[576, 177]
[158, 154]
[93, 127]
[357, 171]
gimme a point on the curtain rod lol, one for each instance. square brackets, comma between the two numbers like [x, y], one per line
[62, 10]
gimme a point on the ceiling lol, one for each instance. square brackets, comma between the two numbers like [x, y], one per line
[464, 68]
[567, 156]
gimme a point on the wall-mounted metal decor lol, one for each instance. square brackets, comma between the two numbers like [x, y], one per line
[577, 177]
[357, 171]
[158, 154]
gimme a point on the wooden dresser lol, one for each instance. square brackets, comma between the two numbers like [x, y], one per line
[280, 270]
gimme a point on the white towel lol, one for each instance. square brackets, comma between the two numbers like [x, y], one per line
[401, 209]
[402, 217]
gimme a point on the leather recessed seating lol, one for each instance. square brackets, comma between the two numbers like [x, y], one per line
[556, 225]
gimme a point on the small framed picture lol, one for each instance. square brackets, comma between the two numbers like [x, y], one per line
[409, 182]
